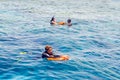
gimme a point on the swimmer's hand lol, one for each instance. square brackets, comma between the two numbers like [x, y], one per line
[51, 56]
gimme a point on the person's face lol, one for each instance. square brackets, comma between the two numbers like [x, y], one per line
[49, 50]
[54, 19]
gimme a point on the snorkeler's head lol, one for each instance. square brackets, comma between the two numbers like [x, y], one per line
[69, 20]
[47, 47]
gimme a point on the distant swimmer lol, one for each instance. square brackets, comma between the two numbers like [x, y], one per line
[53, 22]
[69, 22]
[48, 52]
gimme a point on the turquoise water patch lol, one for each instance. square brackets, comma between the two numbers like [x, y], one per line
[92, 42]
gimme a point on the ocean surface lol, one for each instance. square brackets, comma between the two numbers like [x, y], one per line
[92, 42]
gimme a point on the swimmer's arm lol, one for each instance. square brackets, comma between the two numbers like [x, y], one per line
[45, 54]
[54, 22]
[51, 56]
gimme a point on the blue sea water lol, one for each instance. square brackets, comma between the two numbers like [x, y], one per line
[93, 41]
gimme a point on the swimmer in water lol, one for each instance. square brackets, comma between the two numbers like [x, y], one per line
[53, 21]
[69, 22]
[48, 53]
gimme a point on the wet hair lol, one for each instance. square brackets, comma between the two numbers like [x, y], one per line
[47, 47]
[52, 20]
[69, 20]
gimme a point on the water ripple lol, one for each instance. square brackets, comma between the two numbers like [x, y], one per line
[92, 42]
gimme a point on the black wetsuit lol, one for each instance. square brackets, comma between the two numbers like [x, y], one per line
[46, 55]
